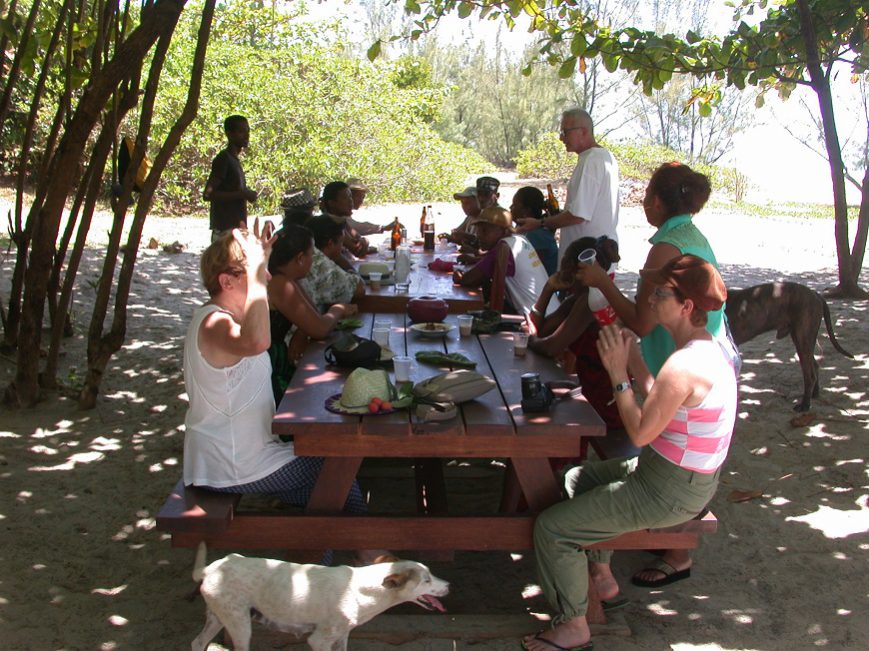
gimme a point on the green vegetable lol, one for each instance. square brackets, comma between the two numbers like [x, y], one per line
[438, 358]
[348, 324]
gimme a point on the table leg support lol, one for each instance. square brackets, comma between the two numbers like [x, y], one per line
[333, 485]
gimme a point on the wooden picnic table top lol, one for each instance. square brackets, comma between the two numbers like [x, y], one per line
[423, 282]
[497, 413]
[491, 426]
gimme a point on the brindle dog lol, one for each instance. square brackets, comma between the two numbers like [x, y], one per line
[789, 309]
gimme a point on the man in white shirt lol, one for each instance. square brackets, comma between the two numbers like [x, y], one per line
[592, 206]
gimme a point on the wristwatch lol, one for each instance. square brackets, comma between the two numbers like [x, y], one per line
[621, 387]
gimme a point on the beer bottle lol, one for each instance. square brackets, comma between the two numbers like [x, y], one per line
[395, 238]
[428, 235]
[552, 206]
[422, 222]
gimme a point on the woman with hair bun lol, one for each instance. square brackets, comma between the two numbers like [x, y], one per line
[674, 195]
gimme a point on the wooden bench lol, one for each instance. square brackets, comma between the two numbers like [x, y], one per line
[191, 515]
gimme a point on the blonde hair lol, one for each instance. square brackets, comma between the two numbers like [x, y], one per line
[223, 254]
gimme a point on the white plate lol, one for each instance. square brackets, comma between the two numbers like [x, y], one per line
[432, 329]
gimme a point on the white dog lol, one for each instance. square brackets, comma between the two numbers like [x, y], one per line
[327, 602]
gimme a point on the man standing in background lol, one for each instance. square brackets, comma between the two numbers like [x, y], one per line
[226, 189]
[592, 206]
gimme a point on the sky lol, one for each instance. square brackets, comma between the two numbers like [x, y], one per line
[781, 168]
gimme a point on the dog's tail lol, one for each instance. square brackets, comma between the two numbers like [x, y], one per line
[199, 563]
[829, 323]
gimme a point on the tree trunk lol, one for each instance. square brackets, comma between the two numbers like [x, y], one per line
[155, 20]
[820, 83]
[15, 70]
[92, 192]
[101, 348]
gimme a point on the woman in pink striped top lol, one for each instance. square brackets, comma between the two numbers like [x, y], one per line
[683, 427]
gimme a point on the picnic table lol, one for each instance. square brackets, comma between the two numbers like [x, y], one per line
[423, 282]
[492, 426]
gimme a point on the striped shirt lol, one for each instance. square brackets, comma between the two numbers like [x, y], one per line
[697, 438]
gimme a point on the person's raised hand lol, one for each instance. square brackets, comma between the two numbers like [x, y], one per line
[591, 275]
[614, 348]
[561, 280]
[529, 224]
[250, 195]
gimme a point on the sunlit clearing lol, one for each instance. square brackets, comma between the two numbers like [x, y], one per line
[8, 435]
[129, 395]
[108, 646]
[42, 449]
[687, 646]
[82, 457]
[117, 620]
[842, 462]
[836, 523]
[660, 609]
[109, 592]
[531, 590]
[105, 445]
[779, 501]
[516, 557]
[842, 611]
[817, 432]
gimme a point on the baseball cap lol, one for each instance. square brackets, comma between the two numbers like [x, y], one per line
[356, 184]
[495, 215]
[488, 184]
[298, 198]
[470, 191]
[694, 277]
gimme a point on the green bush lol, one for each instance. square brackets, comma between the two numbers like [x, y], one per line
[316, 116]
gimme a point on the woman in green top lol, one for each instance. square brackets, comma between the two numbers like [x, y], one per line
[674, 195]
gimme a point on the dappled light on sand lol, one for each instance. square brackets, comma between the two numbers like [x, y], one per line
[838, 523]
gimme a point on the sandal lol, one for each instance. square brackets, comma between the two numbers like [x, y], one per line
[588, 646]
[671, 575]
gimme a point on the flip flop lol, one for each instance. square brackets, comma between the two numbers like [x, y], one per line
[671, 575]
[588, 646]
[619, 601]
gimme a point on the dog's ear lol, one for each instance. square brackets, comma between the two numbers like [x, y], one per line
[395, 581]
[386, 558]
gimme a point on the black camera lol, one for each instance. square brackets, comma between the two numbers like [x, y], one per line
[536, 396]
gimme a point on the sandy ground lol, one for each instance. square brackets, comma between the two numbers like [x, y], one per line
[83, 567]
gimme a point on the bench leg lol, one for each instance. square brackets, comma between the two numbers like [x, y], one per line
[431, 490]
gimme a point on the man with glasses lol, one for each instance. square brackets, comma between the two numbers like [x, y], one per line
[592, 206]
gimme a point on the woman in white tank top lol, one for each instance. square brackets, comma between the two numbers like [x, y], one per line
[228, 445]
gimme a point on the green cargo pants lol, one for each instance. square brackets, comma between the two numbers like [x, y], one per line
[608, 498]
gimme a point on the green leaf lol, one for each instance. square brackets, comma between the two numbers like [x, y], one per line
[705, 110]
[465, 9]
[578, 45]
[374, 51]
[567, 68]
[759, 101]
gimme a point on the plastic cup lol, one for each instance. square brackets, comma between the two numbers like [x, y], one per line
[401, 364]
[402, 288]
[382, 323]
[587, 256]
[520, 343]
[381, 336]
[466, 324]
[374, 279]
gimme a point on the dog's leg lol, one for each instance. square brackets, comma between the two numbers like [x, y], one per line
[239, 629]
[212, 628]
[327, 639]
[804, 338]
